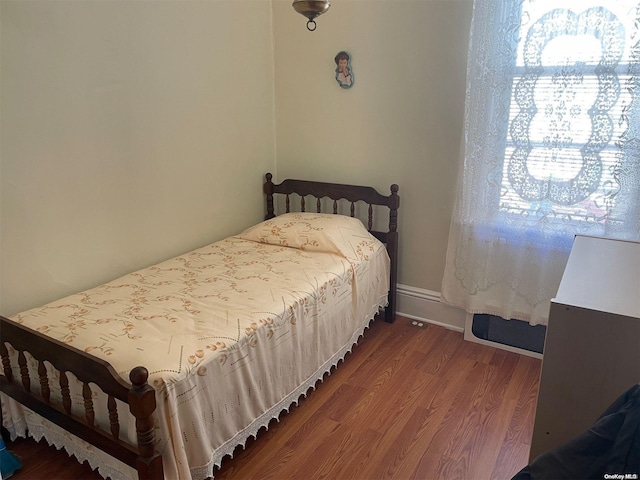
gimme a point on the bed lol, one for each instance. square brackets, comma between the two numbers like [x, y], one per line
[165, 371]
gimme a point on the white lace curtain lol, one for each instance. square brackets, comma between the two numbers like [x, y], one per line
[551, 148]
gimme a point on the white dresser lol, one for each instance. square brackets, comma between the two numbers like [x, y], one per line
[592, 345]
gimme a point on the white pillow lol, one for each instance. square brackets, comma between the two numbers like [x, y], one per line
[318, 232]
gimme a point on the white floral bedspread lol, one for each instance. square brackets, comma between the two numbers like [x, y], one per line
[232, 334]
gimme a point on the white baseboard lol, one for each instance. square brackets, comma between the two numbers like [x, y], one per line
[425, 305]
[419, 304]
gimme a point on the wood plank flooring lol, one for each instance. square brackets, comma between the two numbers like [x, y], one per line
[407, 403]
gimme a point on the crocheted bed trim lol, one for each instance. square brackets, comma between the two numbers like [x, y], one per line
[284, 405]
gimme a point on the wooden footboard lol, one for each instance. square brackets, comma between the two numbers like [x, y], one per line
[35, 395]
[352, 194]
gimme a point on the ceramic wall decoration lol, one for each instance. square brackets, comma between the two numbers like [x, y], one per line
[344, 73]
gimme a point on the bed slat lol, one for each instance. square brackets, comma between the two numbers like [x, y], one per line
[24, 371]
[66, 395]
[45, 391]
[6, 362]
[89, 413]
[114, 423]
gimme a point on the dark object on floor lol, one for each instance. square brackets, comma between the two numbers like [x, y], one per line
[8, 462]
[514, 333]
[609, 449]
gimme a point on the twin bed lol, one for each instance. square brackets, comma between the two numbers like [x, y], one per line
[229, 336]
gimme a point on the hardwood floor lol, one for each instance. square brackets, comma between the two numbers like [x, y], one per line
[407, 403]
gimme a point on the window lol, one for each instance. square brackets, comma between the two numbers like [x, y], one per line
[551, 148]
[571, 89]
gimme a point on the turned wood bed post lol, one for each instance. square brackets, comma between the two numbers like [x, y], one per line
[142, 404]
[392, 248]
[268, 190]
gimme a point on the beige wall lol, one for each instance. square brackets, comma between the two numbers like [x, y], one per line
[134, 131]
[401, 122]
[130, 132]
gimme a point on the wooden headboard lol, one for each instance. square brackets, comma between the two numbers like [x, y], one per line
[353, 194]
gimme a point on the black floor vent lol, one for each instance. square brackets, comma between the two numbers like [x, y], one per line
[514, 333]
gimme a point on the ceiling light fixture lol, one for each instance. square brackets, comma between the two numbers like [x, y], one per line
[311, 9]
